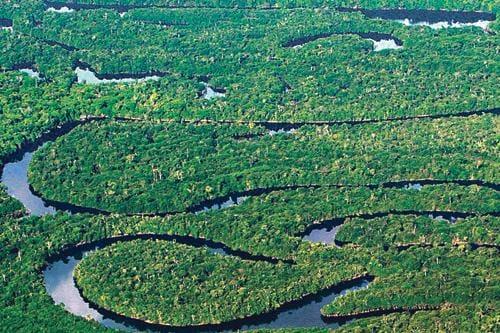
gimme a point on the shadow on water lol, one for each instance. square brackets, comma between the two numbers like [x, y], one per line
[60, 284]
[325, 231]
[375, 36]
[5, 22]
[14, 175]
[435, 19]
[15, 179]
[424, 15]
[58, 274]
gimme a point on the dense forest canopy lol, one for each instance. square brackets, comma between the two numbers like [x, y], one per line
[171, 167]
[371, 4]
[287, 118]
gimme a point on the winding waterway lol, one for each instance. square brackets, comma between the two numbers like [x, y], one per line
[325, 231]
[58, 275]
[15, 179]
[60, 284]
[435, 19]
[380, 41]
[86, 75]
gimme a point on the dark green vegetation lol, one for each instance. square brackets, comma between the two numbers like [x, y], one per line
[9, 207]
[104, 278]
[417, 261]
[51, 233]
[416, 4]
[428, 279]
[468, 318]
[208, 288]
[402, 230]
[335, 78]
[270, 224]
[171, 167]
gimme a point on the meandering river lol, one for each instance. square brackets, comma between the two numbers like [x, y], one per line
[58, 275]
[60, 284]
[59, 272]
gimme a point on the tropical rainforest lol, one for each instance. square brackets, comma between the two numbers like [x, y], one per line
[168, 166]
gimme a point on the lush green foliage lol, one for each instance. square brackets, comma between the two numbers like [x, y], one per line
[178, 285]
[145, 167]
[336, 78]
[25, 245]
[269, 224]
[478, 318]
[9, 206]
[156, 168]
[400, 230]
[23, 291]
[460, 318]
[419, 278]
[445, 4]
[21, 259]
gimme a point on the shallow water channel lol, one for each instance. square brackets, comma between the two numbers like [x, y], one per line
[87, 76]
[58, 274]
[15, 179]
[435, 19]
[60, 284]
